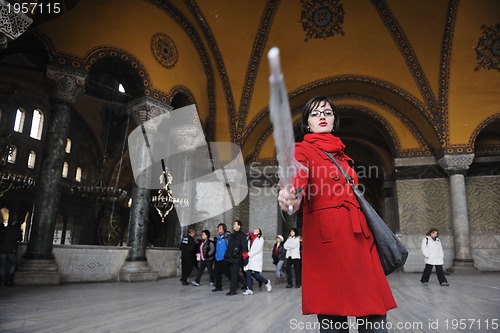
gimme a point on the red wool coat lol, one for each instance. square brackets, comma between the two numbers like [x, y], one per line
[341, 270]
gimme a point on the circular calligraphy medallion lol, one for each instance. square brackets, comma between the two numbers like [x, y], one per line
[164, 50]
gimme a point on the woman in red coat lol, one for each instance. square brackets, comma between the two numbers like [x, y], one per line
[341, 271]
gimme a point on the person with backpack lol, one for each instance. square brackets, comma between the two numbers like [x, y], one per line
[432, 250]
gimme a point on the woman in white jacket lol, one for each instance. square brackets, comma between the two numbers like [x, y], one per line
[292, 247]
[434, 256]
[255, 259]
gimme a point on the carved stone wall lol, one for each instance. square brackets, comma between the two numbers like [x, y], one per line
[80, 263]
[424, 204]
[483, 198]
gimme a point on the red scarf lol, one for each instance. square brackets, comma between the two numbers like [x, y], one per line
[327, 142]
[252, 238]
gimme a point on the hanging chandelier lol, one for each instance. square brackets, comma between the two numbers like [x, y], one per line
[164, 202]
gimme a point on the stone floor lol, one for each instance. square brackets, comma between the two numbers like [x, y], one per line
[470, 304]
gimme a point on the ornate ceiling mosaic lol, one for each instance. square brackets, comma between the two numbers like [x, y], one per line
[164, 50]
[322, 18]
[488, 48]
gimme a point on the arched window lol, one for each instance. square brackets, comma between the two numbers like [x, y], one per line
[31, 160]
[19, 122]
[68, 145]
[121, 88]
[78, 174]
[65, 170]
[37, 124]
[12, 155]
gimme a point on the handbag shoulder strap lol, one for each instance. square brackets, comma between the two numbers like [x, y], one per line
[334, 160]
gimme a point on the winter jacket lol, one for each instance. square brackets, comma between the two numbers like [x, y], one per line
[280, 254]
[236, 246]
[11, 235]
[292, 247]
[221, 246]
[338, 246]
[432, 251]
[187, 247]
[255, 255]
[208, 249]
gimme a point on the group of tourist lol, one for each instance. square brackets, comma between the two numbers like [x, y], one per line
[240, 258]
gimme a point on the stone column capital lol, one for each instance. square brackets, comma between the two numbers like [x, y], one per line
[456, 164]
[64, 84]
[146, 108]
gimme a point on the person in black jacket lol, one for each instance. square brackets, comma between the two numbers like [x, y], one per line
[11, 235]
[187, 255]
[234, 255]
[279, 256]
[205, 256]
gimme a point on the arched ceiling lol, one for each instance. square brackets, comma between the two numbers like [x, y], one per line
[411, 76]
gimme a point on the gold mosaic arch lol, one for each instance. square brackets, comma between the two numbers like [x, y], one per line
[409, 110]
[477, 131]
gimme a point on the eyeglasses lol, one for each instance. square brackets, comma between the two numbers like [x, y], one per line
[326, 113]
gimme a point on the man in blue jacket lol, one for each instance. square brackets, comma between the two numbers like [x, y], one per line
[220, 250]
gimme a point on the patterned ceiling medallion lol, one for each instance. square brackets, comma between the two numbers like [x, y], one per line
[488, 48]
[164, 50]
[322, 18]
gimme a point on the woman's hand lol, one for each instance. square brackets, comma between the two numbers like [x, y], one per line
[289, 200]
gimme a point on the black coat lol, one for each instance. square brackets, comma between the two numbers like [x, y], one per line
[187, 247]
[236, 246]
[281, 255]
[11, 235]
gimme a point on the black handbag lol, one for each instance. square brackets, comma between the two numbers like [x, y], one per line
[392, 252]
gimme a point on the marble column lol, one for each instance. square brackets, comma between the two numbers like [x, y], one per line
[39, 265]
[456, 167]
[136, 266]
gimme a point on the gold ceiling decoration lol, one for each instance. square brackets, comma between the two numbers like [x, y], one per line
[322, 19]
[488, 48]
[164, 50]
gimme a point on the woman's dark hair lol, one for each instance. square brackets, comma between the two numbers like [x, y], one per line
[313, 104]
[223, 225]
[206, 232]
[296, 231]
[260, 232]
[431, 231]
